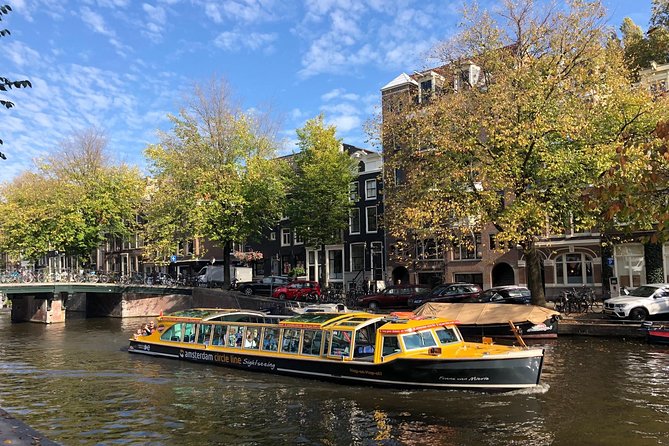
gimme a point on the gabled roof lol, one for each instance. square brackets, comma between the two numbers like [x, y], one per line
[399, 80]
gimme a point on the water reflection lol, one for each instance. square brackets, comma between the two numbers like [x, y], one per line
[76, 383]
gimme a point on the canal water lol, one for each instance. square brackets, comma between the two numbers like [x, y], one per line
[76, 383]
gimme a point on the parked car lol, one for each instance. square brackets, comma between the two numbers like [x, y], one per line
[264, 286]
[297, 290]
[641, 302]
[508, 294]
[394, 296]
[447, 293]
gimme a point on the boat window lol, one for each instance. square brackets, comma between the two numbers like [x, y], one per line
[189, 332]
[446, 335]
[172, 334]
[252, 338]
[391, 345]
[421, 339]
[204, 334]
[341, 343]
[219, 335]
[291, 340]
[270, 339]
[363, 343]
[312, 342]
[235, 336]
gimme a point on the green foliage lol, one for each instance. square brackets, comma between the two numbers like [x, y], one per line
[7, 84]
[69, 204]
[319, 202]
[523, 145]
[212, 177]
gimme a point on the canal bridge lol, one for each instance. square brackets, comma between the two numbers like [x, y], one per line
[52, 302]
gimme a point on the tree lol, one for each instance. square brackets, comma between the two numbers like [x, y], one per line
[7, 84]
[319, 201]
[642, 50]
[521, 145]
[72, 202]
[213, 176]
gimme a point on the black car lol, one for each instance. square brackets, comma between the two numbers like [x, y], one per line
[509, 294]
[264, 286]
[447, 293]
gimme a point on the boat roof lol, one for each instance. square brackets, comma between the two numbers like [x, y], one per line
[204, 314]
[393, 324]
[486, 313]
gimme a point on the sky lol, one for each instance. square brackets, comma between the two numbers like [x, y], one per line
[122, 66]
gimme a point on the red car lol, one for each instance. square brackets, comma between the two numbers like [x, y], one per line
[297, 290]
[391, 297]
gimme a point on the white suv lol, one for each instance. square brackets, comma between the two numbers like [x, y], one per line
[641, 302]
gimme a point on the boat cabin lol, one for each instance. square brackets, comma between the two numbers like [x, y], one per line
[335, 336]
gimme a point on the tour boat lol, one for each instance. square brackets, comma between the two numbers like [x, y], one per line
[476, 320]
[656, 334]
[396, 350]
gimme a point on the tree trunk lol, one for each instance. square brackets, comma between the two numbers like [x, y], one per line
[534, 282]
[227, 247]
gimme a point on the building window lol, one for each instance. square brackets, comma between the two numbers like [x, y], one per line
[335, 265]
[361, 166]
[468, 251]
[272, 235]
[354, 192]
[370, 189]
[428, 250]
[630, 265]
[298, 239]
[400, 177]
[285, 236]
[354, 222]
[357, 257]
[573, 269]
[371, 219]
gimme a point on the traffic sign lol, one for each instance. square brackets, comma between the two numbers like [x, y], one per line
[173, 258]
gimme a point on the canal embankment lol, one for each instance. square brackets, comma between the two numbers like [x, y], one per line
[17, 433]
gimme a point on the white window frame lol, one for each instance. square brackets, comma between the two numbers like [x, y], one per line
[367, 195]
[350, 222]
[272, 235]
[354, 191]
[285, 236]
[297, 240]
[376, 218]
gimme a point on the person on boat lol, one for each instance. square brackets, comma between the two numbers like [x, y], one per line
[149, 328]
[140, 331]
[249, 342]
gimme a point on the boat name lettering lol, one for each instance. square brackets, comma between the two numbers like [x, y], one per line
[365, 372]
[257, 363]
[464, 378]
[199, 356]
[228, 359]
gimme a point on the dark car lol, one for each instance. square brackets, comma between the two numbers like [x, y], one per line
[297, 290]
[264, 286]
[447, 293]
[509, 294]
[391, 297]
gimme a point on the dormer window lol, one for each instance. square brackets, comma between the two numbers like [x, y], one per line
[361, 166]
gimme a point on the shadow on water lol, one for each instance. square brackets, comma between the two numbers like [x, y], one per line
[77, 384]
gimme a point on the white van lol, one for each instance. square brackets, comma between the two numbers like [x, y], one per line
[213, 275]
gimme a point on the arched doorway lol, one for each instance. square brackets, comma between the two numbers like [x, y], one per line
[502, 274]
[400, 275]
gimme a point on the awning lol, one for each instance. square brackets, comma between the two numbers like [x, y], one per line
[488, 313]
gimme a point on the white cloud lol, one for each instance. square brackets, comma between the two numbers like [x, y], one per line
[95, 21]
[20, 54]
[345, 123]
[234, 41]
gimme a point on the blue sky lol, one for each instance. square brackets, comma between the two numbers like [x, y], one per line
[123, 65]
